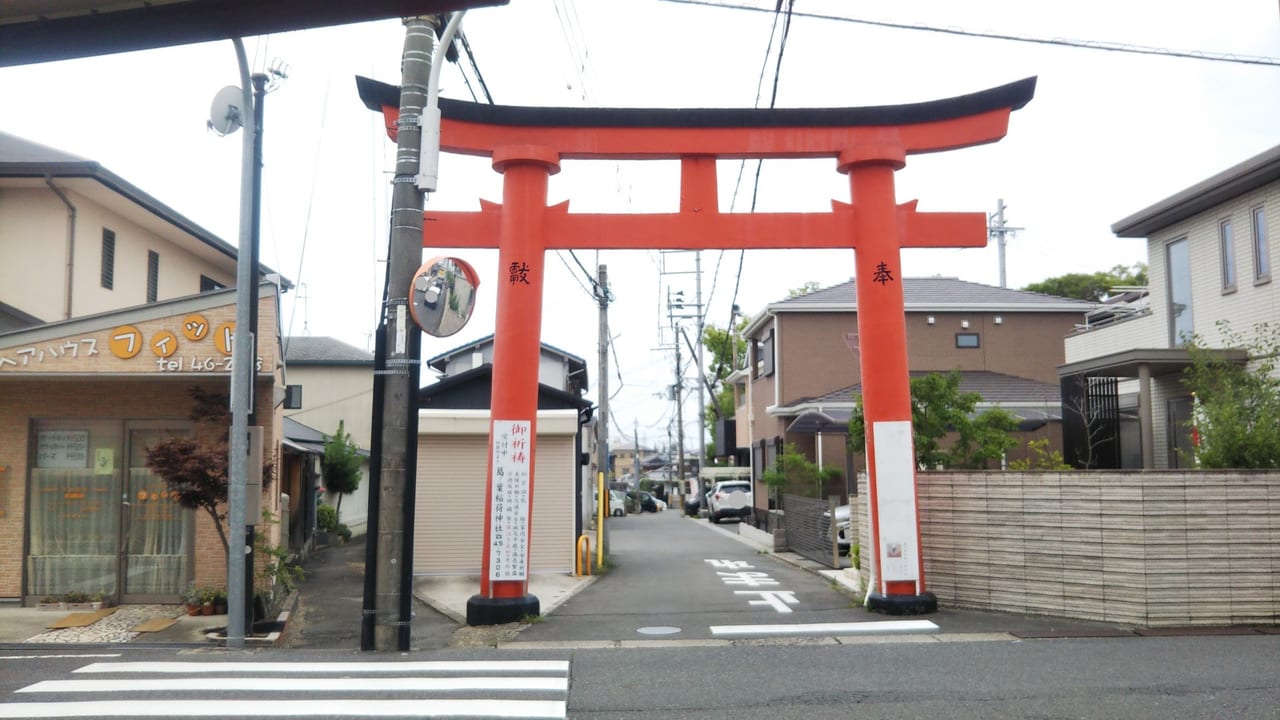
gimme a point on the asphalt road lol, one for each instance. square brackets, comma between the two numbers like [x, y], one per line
[676, 578]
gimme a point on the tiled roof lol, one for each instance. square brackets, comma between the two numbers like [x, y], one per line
[939, 293]
[14, 149]
[302, 350]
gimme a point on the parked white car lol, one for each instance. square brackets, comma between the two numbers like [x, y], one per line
[729, 498]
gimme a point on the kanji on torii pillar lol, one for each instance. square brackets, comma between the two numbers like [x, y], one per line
[526, 145]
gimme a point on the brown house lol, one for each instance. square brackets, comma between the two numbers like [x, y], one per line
[803, 364]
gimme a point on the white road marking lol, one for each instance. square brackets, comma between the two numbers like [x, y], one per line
[51, 657]
[402, 668]
[314, 685]
[865, 628]
[288, 708]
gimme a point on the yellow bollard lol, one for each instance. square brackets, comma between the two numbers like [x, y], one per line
[582, 558]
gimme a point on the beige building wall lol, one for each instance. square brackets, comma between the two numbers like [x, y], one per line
[33, 257]
[331, 393]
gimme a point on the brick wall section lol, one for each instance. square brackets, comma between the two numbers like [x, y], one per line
[103, 398]
[1144, 548]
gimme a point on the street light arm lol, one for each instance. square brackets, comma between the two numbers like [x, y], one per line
[429, 151]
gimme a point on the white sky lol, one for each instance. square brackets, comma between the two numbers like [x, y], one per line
[1106, 135]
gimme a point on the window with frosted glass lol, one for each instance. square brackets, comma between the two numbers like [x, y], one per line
[1227, 252]
[1261, 251]
[1178, 262]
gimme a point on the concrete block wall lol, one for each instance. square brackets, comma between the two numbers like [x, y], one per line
[1156, 548]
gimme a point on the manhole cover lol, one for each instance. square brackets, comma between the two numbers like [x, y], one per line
[658, 630]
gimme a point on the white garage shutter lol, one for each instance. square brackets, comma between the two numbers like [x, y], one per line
[449, 525]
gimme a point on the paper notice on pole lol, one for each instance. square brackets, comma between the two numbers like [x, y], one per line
[895, 479]
[510, 490]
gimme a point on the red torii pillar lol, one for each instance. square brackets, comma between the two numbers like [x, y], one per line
[869, 144]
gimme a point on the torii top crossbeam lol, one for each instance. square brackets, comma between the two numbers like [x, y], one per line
[527, 145]
[697, 137]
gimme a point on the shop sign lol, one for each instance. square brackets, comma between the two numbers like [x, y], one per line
[170, 353]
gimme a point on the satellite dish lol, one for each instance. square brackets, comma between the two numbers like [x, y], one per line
[225, 114]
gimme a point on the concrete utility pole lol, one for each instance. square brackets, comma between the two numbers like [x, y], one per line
[241, 377]
[602, 384]
[999, 230]
[387, 622]
[635, 438]
[702, 384]
[679, 393]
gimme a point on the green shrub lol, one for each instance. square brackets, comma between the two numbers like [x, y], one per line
[327, 518]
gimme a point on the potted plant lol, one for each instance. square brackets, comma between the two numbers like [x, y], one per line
[100, 600]
[77, 600]
[192, 601]
[51, 602]
[220, 602]
[206, 601]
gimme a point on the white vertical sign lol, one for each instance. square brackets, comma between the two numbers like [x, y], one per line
[509, 501]
[896, 500]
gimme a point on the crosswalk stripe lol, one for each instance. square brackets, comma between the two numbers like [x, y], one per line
[285, 708]
[401, 668]
[313, 685]
[857, 628]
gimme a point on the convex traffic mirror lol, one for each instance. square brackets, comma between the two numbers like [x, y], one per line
[442, 295]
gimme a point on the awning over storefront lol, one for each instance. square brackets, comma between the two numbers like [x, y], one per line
[821, 421]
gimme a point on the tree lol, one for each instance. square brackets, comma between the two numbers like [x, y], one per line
[728, 353]
[792, 472]
[1236, 406]
[340, 465]
[938, 407]
[194, 467]
[811, 286]
[1093, 287]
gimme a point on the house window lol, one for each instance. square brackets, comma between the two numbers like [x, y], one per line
[967, 340]
[208, 284]
[153, 275]
[766, 352]
[1261, 251]
[108, 258]
[762, 355]
[1178, 261]
[1226, 245]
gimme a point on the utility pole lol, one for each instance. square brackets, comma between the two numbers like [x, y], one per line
[602, 420]
[702, 384]
[635, 438]
[999, 230]
[679, 393]
[388, 562]
[241, 378]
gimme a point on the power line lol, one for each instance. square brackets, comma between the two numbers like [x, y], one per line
[1061, 42]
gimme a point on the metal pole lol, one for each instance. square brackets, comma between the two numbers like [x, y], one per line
[399, 392]
[241, 385]
[1000, 232]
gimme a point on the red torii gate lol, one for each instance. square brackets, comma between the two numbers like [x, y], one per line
[526, 145]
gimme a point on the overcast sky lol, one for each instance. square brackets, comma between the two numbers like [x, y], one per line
[1106, 135]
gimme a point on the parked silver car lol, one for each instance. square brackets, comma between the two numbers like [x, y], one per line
[730, 498]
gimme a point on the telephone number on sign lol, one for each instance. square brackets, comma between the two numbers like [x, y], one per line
[197, 364]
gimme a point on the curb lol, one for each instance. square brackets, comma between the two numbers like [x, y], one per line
[269, 639]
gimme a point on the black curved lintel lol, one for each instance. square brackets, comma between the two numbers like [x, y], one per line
[1014, 96]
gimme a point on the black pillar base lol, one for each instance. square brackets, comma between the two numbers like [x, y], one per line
[483, 610]
[922, 604]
